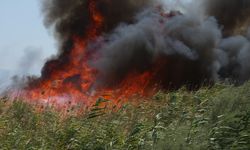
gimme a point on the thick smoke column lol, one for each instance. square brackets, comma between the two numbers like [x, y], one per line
[182, 48]
[136, 37]
[129, 47]
[234, 18]
[71, 18]
[193, 48]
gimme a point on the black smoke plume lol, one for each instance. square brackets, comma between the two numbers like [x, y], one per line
[138, 37]
[70, 18]
[185, 46]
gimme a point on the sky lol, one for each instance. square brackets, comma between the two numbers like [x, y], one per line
[22, 34]
[25, 44]
[24, 39]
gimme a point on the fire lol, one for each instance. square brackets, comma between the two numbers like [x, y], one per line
[74, 82]
[76, 77]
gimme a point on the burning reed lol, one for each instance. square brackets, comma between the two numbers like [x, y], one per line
[117, 50]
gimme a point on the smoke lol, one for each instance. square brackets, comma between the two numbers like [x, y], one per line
[194, 48]
[231, 14]
[29, 63]
[237, 51]
[71, 18]
[201, 44]
[139, 46]
[234, 18]
[182, 5]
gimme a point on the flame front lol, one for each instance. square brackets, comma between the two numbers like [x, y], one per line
[74, 83]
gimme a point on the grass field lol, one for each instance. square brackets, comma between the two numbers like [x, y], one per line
[210, 118]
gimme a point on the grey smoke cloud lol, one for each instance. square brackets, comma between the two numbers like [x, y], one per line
[201, 44]
[187, 43]
[29, 63]
[198, 44]
[237, 50]
[71, 18]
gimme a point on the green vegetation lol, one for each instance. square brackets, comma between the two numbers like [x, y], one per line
[210, 118]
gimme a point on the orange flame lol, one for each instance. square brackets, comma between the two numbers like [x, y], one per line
[73, 84]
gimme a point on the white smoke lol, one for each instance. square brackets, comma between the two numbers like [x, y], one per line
[29, 63]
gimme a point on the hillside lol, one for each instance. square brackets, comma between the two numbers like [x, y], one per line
[210, 118]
